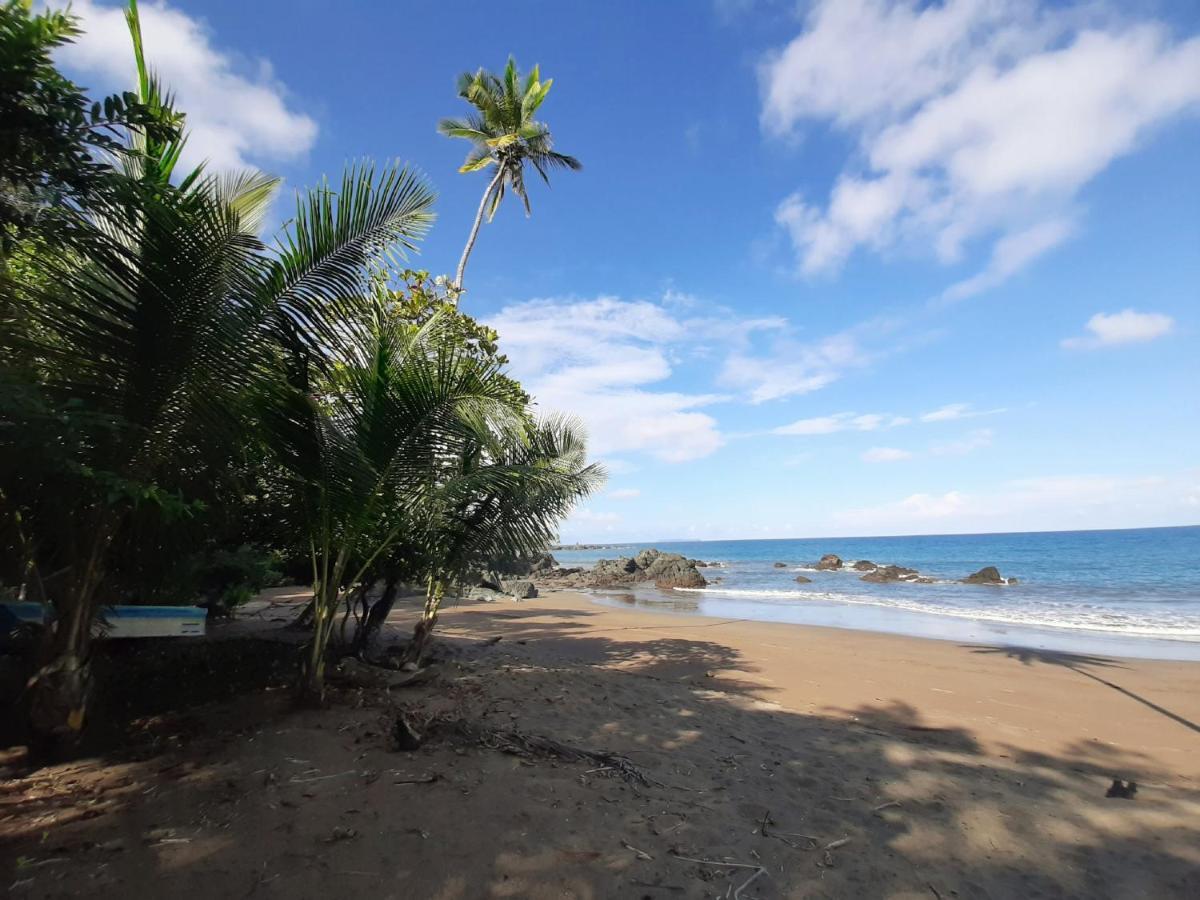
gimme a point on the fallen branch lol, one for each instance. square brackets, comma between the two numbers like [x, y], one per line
[737, 892]
[532, 745]
[641, 854]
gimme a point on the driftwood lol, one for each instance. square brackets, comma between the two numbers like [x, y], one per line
[533, 746]
[357, 673]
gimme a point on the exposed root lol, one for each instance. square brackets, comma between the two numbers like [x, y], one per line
[532, 746]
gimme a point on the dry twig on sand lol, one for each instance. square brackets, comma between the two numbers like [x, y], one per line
[734, 893]
[532, 745]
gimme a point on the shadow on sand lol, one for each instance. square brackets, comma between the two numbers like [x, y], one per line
[258, 800]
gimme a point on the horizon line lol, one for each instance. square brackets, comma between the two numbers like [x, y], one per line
[861, 537]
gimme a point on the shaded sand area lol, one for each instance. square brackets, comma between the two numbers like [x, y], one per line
[753, 760]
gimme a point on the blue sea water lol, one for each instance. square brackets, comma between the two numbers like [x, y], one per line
[1132, 592]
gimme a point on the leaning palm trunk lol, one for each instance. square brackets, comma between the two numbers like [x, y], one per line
[57, 695]
[462, 262]
[423, 630]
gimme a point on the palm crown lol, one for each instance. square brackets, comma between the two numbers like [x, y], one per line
[504, 133]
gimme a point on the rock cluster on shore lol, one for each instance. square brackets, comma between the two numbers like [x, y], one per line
[665, 570]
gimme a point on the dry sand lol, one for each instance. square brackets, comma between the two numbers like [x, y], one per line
[844, 764]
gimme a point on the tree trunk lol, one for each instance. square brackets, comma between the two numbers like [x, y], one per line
[312, 678]
[424, 628]
[462, 262]
[57, 695]
[378, 614]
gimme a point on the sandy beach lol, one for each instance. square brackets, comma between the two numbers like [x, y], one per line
[764, 760]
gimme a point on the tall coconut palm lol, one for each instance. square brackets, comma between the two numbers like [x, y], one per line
[504, 497]
[505, 135]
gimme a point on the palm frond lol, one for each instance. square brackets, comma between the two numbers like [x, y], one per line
[319, 273]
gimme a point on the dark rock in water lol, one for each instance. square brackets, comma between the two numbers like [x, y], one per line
[885, 574]
[800, 579]
[673, 570]
[522, 590]
[666, 570]
[986, 575]
[865, 565]
[646, 557]
[780, 565]
[699, 563]
[829, 562]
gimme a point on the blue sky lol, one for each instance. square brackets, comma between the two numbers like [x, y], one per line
[831, 268]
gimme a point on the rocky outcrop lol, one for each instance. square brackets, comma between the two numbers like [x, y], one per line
[522, 590]
[666, 570]
[864, 565]
[829, 562]
[801, 579]
[886, 574]
[988, 575]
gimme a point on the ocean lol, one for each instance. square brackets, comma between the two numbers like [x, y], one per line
[1132, 592]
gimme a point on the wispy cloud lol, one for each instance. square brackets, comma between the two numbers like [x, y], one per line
[624, 494]
[1125, 327]
[976, 440]
[843, 421]
[238, 113]
[885, 454]
[954, 411]
[977, 122]
[851, 421]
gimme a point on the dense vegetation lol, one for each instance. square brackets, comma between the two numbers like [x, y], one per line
[188, 408]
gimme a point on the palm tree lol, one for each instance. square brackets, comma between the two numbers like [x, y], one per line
[503, 133]
[504, 497]
[147, 337]
[365, 445]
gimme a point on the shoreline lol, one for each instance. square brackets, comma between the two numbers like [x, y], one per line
[845, 614]
[1010, 697]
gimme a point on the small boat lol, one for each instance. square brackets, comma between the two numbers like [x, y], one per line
[121, 621]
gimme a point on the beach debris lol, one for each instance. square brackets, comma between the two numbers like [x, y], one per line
[722, 864]
[1121, 790]
[784, 836]
[423, 779]
[357, 673]
[404, 736]
[641, 854]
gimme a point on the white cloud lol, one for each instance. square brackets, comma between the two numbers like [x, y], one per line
[947, 413]
[238, 114]
[976, 440]
[843, 421]
[885, 454]
[850, 421]
[976, 121]
[624, 494]
[1125, 327]
[792, 368]
[600, 359]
